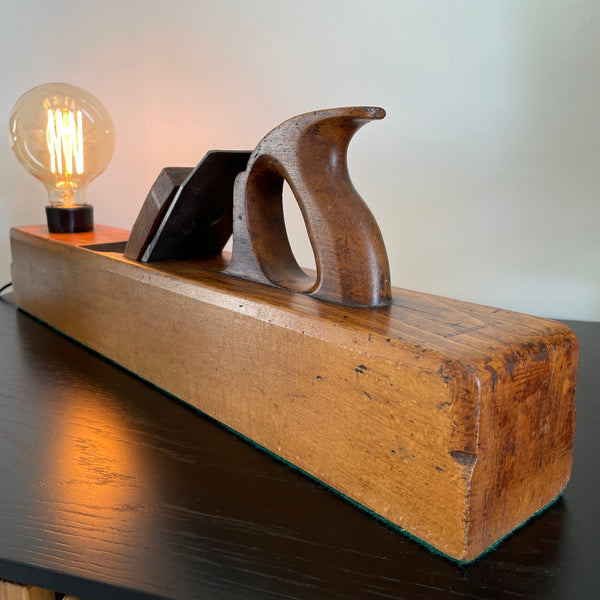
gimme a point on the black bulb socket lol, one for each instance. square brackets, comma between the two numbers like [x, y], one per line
[75, 219]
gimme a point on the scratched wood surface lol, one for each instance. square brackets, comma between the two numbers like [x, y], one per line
[309, 152]
[111, 489]
[450, 420]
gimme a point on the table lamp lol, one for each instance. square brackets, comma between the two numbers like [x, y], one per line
[450, 421]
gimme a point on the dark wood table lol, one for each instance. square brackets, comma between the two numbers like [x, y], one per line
[112, 489]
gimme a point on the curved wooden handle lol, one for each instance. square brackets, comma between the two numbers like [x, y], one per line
[309, 153]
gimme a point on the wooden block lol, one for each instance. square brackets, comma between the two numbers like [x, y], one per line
[188, 212]
[450, 420]
[16, 591]
[155, 206]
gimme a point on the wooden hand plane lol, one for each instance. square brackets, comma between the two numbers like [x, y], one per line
[451, 421]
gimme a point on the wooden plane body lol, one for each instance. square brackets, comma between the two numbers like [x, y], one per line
[450, 420]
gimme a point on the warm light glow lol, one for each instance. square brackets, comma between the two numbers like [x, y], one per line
[64, 136]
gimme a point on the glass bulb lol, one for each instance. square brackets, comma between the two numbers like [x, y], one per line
[65, 137]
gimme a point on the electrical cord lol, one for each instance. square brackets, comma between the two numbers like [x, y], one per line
[5, 287]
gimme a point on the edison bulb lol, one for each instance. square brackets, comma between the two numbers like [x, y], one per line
[65, 137]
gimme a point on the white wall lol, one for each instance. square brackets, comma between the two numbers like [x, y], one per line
[484, 176]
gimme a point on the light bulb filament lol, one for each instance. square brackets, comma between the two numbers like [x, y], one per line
[64, 137]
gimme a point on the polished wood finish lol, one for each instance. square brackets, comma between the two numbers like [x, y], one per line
[309, 153]
[450, 420]
[112, 489]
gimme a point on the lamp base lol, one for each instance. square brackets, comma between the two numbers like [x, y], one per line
[450, 420]
[70, 220]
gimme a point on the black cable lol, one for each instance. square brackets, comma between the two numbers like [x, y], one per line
[5, 286]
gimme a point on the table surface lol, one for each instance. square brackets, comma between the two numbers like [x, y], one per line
[112, 489]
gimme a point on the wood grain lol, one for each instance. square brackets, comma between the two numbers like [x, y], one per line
[111, 489]
[451, 420]
[16, 591]
[309, 153]
[153, 210]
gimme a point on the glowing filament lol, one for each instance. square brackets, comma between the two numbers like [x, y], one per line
[64, 136]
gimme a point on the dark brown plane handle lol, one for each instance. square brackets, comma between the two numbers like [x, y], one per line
[309, 152]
